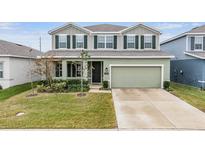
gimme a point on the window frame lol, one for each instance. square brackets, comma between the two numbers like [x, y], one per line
[82, 35]
[133, 35]
[105, 41]
[76, 69]
[148, 35]
[2, 70]
[60, 35]
[60, 71]
[197, 43]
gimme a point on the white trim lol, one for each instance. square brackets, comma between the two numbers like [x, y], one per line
[59, 35]
[180, 35]
[67, 25]
[140, 25]
[121, 57]
[173, 38]
[187, 43]
[150, 35]
[101, 71]
[105, 43]
[134, 41]
[195, 33]
[76, 41]
[201, 43]
[193, 55]
[137, 65]
[16, 56]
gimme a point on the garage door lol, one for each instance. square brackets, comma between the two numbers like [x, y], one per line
[136, 77]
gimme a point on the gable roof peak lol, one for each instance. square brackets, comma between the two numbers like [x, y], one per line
[67, 25]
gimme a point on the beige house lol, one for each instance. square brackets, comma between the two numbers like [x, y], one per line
[126, 57]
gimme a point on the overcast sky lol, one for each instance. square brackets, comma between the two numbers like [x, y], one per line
[28, 33]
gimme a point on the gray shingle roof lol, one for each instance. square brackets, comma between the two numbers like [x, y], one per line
[18, 50]
[107, 53]
[200, 29]
[196, 54]
[105, 28]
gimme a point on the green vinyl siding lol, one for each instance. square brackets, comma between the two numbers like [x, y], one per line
[136, 77]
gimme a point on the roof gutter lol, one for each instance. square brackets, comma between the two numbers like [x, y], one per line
[15, 56]
[112, 57]
[192, 55]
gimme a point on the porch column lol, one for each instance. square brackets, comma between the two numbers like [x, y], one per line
[85, 70]
[64, 69]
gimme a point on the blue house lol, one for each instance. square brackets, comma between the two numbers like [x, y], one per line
[188, 66]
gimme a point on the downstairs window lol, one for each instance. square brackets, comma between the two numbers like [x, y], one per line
[74, 69]
[58, 69]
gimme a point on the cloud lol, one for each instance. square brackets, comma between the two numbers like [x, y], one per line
[8, 25]
[28, 38]
[168, 26]
[196, 24]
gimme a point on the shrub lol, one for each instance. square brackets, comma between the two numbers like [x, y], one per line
[1, 87]
[166, 85]
[105, 84]
[69, 85]
[41, 88]
[58, 87]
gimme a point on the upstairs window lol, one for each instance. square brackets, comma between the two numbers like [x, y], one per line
[105, 41]
[62, 41]
[148, 41]
[101, 41]
[109, 41]
[198, 43]
[58, 69]
[79, 41]
[1, 70]
[131, 41]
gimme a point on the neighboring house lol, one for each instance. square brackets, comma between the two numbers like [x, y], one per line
[15, 63]
[126, 57]
[188, 66]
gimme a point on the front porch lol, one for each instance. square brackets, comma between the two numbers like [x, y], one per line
[92, 71]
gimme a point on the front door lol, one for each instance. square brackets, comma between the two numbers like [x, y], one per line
[96, 72]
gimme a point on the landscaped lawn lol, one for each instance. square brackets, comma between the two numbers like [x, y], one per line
[12, 91]
[189, 94]
[58, 111]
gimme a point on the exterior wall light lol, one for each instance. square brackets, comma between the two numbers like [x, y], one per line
[181, 72]
[106, 71]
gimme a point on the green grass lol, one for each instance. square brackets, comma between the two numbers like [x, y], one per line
[189, 94]
[12, 91]
[95, 110]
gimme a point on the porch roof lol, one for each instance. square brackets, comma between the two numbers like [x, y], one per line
[108, 54]
[196, 54]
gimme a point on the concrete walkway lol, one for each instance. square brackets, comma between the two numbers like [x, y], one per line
[154, 109]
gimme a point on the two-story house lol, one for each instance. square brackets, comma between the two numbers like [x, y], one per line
[126, 57]
[188, 66]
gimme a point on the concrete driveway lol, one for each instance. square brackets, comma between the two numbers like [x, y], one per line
[154, 109]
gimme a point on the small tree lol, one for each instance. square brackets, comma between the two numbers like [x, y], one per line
[84, 58]
[45, 68]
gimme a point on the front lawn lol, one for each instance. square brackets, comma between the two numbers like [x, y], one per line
[189, 94]
[12, 91]
[58, 111]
